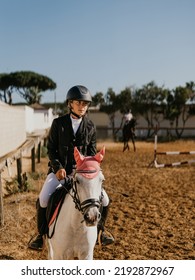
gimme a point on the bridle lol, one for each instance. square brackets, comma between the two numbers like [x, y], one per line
[88, 203]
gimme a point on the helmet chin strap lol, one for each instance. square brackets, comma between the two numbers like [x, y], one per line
[74, 114]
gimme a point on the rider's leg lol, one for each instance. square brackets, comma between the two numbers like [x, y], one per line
[37, 244]
[105, 239]
[48, 188]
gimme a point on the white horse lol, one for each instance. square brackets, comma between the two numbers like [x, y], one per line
[76, 227]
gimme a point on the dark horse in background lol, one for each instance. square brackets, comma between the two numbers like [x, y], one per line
[128, 131]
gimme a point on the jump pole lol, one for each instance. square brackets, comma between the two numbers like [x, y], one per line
[157, 165]
[153, 163]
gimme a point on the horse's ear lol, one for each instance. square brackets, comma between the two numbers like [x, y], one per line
[78, 156]
[99, 156]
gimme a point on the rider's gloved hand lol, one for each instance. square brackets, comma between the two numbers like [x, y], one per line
[61, 174]
[68, 182]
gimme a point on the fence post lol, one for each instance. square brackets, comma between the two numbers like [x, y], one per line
[19, 171]
[1, 204]
[39, 152]
[33, 159]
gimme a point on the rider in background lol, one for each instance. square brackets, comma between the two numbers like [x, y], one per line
[128, 116]
[71, 130]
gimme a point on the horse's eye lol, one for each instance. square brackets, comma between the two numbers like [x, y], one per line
[77, 181]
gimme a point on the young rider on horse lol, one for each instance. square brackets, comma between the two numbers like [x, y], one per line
[68, 131]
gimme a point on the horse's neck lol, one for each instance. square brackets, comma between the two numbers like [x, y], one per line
[131, 124]
[69, 211]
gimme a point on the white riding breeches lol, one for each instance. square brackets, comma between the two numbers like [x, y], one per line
[50, 185]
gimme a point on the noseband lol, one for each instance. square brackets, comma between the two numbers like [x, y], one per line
[88, 203]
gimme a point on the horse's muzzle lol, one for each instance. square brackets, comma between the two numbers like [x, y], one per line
[92, 216]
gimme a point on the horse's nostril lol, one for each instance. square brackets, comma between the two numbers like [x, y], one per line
[92, 216]
[86, 216]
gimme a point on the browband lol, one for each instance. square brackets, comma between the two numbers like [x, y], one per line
[85, 171]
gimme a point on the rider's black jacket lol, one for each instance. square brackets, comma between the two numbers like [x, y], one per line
[61, 142]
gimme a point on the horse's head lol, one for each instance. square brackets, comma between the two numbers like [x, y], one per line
[88, 180]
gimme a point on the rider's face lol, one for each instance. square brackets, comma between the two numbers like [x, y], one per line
[79, 107]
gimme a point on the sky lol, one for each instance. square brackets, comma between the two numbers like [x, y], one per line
[100, 44]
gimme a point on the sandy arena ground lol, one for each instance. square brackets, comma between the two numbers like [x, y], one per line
[152, 214]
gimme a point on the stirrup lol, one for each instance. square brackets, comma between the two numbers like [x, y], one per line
[108, 235]
[37, 243]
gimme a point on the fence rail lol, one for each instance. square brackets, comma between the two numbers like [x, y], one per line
[142, 132]
[33, 145]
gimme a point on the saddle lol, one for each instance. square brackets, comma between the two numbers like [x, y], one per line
[55, 203]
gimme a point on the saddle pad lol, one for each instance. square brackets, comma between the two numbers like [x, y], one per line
[54, 205]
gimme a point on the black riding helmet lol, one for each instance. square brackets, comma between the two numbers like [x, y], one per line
[79, 93]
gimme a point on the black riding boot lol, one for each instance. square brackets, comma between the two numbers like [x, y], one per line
[37, 243]
[104, 238]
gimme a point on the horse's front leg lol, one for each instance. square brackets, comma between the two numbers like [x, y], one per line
[86, 244]
[125, 146]
[133, 141]
[53, 255]
[86, 256]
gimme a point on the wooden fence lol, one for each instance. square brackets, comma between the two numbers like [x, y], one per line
[32, 145]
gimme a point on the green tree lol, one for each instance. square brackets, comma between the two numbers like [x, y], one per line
[124, 99]
[180, 106]
[5, 88]
[98, 99]
[28, 84]
[124, 104]
[149, 102]
[191, 90]
[111, 102]
[190, 86]
[110, 107]
[108, 104]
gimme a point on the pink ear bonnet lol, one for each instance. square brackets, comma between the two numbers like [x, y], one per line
[89, 163]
